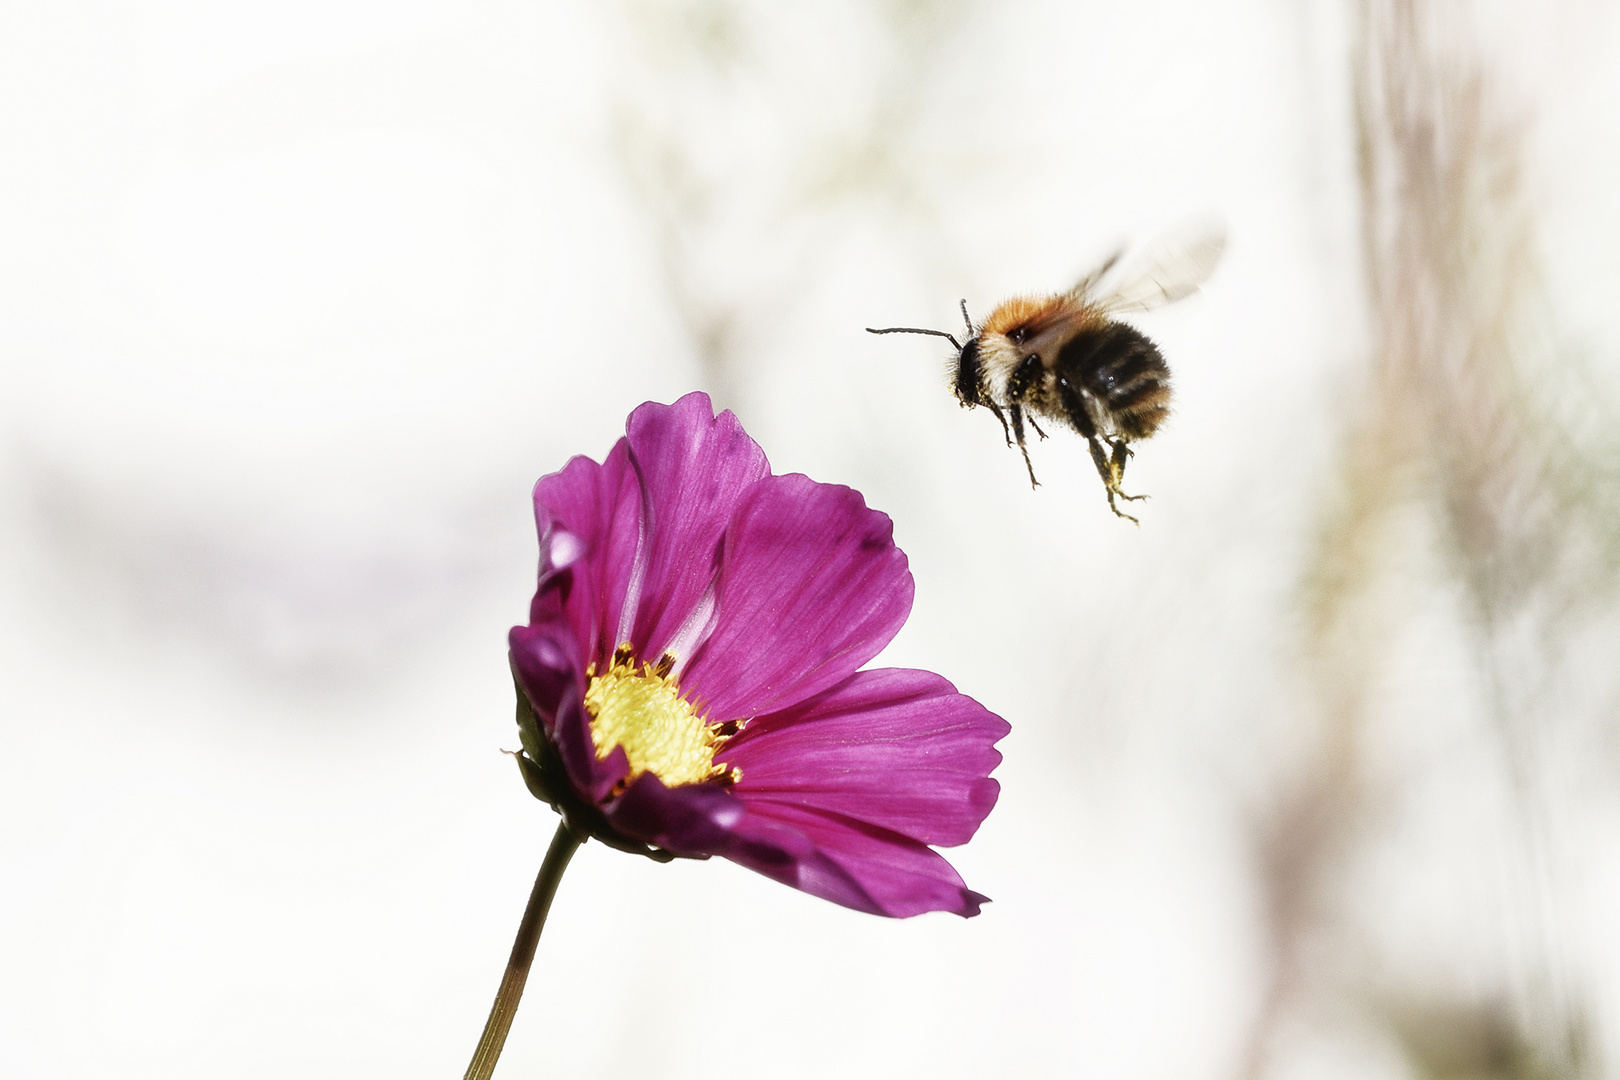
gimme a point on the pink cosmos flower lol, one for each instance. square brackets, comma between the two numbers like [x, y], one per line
[690, 679]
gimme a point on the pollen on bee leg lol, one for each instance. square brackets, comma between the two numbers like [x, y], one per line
[661, 730]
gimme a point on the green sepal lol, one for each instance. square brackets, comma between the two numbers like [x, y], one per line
[546, 779]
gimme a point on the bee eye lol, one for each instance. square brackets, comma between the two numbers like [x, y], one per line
[967, 374]
[1018, 335]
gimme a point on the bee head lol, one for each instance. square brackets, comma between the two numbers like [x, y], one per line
[969, 375]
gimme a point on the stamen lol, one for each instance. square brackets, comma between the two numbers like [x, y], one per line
[660, 729]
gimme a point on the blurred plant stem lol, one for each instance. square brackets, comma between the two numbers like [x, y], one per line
[1445, 457]
[563, 846]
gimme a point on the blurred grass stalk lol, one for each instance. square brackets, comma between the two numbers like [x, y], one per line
[1449, 429]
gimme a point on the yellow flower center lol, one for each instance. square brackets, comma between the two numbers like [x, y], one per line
[660, 730]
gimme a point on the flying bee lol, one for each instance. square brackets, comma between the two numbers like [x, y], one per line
[1065, 359]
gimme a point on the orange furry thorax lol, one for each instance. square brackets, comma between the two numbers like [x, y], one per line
[1035, 315]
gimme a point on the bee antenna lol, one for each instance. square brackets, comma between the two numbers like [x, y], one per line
[915, 330]
[965, 317]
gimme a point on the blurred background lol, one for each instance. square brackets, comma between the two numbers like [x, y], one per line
[1314, 774]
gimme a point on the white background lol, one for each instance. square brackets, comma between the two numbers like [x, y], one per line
[296, 302]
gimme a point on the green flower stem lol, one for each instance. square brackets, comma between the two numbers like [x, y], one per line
[563, 846]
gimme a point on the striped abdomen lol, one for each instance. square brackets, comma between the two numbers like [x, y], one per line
[1124, 374]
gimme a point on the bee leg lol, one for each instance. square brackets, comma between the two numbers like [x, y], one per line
[1022, 381]
[1018, 430]
[1003, 418]
[1112, 470]
[1121, 453]
[1120, 513]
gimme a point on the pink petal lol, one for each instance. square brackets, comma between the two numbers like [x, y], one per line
[545, 660]
[650, 519]
[694, 468]
[704, 820]
[857, 866]
[811, 587]
[596, 508]
[896, 748]
[895, 876]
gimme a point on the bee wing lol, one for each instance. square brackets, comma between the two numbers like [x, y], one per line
[1176, 264]
[1086, 284]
